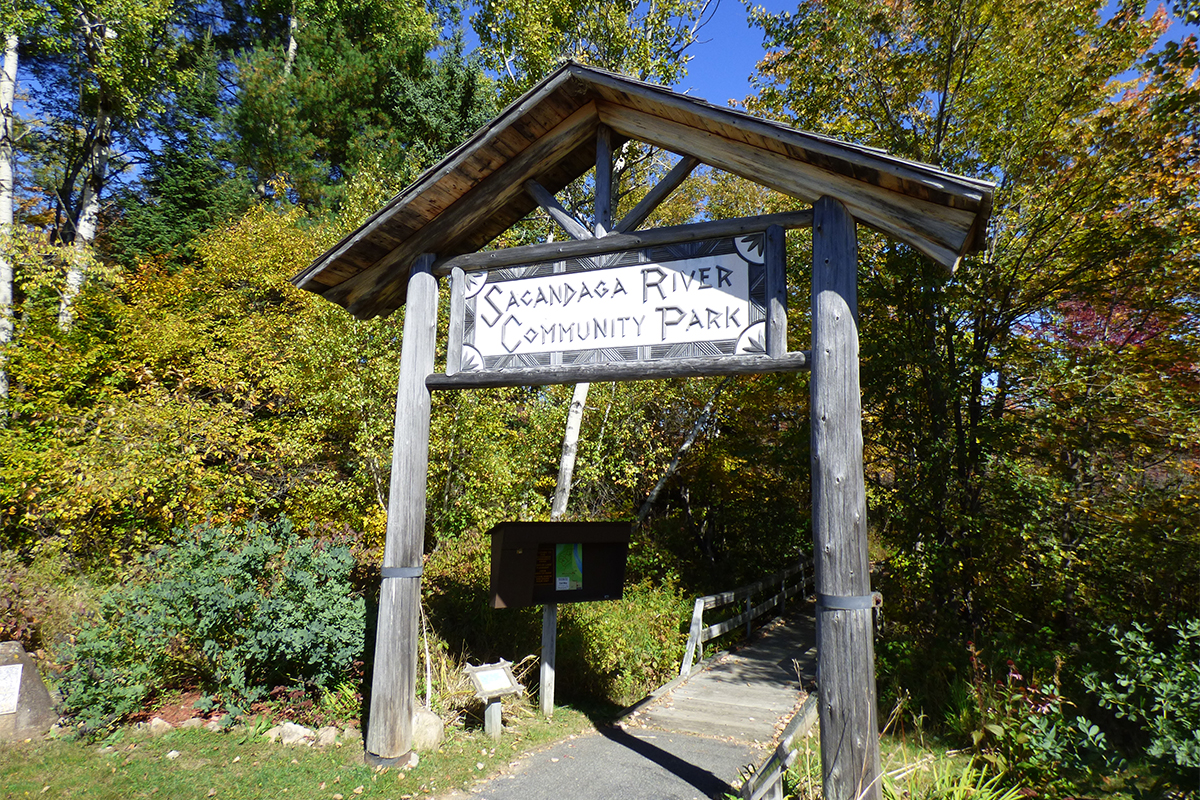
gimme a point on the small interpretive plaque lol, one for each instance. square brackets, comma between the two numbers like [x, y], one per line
[10, 687]
[493, 680]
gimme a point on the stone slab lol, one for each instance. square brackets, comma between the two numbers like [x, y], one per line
[26, 710]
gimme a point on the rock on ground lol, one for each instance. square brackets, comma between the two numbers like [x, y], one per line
[428, 730]
[31, 712]
[159, 726]
[326, 736]
[290, 734]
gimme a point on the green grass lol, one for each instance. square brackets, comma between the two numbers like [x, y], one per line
[224, 765]
[916, 767]
[913, 767]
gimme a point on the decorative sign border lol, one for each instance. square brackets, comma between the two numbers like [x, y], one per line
[741, 330]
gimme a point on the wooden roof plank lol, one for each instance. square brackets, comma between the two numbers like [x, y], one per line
[479, 140]
[485, 199]
[938, 231]
[918, 174]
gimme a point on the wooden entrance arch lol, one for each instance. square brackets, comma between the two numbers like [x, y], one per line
[555, 133]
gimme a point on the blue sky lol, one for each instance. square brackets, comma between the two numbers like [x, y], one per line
[728, 50]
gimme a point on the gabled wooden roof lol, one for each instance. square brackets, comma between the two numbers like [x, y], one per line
[548, 135]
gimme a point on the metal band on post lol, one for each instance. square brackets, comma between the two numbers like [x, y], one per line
[400, 572]
[851, 603]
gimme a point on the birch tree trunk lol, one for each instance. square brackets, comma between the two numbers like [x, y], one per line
[89, 215]
[8, 84]
[570, 448]
[689, 440]
[290, 58]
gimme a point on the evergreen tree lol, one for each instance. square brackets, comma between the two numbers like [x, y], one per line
[190, 185]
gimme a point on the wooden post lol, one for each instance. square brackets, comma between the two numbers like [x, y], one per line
[394, 685]
[458, 293]
[695, 647]
[845, 646]
[491, 718]
[603, 181]
[549, 646]
[775, 256]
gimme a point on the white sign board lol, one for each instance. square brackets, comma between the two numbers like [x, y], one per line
[695, 299]
[493, 680]
[10, 687]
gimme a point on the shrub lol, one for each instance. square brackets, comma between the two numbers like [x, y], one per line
[620, 650]
[24, 603]
[227, 610]
[613, 650]
[1158, 689]
[40, 600]
[1020, 725]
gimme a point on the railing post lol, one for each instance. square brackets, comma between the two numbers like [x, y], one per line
[693, 637]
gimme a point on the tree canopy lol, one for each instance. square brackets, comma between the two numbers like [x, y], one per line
[1031, 422]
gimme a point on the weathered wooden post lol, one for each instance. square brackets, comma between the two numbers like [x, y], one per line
[394, 684]
[549, 655]
[846, 652]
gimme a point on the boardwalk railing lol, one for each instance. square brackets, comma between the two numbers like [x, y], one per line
[767, 781]
[777, 589]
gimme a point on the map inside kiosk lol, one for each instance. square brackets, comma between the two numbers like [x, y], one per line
[690, 299]
[568, 567]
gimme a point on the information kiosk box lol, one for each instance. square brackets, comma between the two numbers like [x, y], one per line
[534, 563]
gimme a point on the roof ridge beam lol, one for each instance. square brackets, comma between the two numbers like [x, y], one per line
[938, 231]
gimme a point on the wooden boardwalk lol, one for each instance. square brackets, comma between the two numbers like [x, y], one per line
[748, 694]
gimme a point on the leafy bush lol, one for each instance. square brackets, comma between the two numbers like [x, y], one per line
[1020, 725]
[1158, 689]
[230, 611]
[621, 650]
[455, 592]
[615, 650]
[24, 603]
[40, 600]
